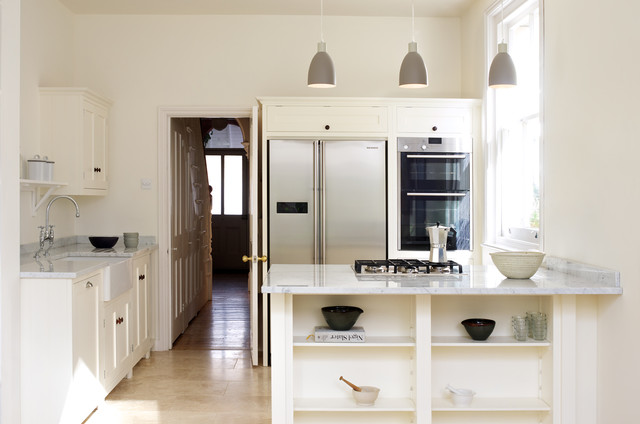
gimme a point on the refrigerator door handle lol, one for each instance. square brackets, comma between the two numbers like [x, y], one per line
[448, 194]
[316, 223]
[323, 199]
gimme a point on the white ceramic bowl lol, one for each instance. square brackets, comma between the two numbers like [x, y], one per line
[463, 398]
[517, 264]
[367, 396]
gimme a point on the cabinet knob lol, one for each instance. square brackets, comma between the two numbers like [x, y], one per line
[327, 127]
[89, 284]
[434, 128]
[141, 277]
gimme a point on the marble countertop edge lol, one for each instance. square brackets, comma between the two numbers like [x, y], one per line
[53, 267]
[555, 278]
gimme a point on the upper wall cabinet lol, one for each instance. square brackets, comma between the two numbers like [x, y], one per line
[74, 126]
[431, 121]
[321, 120]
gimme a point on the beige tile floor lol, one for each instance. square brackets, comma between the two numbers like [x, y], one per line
[206, 378]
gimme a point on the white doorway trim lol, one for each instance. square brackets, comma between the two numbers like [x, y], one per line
[165, 113]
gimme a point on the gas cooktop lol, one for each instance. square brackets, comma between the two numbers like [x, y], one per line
[404, 266]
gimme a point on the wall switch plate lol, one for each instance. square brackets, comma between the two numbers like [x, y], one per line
[145, 183]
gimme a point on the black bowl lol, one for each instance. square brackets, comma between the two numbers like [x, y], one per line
[341, 318]
[103, 242]
[479, 328]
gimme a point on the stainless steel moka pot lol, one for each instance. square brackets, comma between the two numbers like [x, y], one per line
[438, 239]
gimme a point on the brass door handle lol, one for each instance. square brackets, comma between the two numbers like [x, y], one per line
[245, 258]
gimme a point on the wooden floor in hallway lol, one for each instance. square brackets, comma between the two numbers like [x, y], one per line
[206, 378]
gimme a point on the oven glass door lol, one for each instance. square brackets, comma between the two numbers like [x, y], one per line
[419, 210]
[442, 172]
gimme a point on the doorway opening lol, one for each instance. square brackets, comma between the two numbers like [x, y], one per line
[228, 173]
[222, 321]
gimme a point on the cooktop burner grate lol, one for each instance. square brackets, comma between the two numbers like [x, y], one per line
[393, 266]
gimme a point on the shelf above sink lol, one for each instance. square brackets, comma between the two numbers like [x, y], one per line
[36, 187]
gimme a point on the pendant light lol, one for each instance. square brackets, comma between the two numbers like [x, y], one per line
[502, 73]
[321, 74]
[413, 73]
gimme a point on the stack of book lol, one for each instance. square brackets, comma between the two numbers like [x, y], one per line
[327, 335]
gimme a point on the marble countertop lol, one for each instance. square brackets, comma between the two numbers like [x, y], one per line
[560, 277]
[57, 264]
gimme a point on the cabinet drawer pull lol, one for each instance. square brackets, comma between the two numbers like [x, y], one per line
[89, 284]
[434, 128]
[327, 127]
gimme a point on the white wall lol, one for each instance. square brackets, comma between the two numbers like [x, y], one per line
[9, 211]
[143, 62]
[46, 60]
[591, 150]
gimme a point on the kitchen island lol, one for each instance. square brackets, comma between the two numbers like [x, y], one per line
[415, 345]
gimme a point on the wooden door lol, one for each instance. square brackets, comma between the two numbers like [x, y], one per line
[179, 235]
[229, 219]
[254, 271]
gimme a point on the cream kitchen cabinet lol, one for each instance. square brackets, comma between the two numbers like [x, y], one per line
[141, 335]
[117, 336]
[74, 126]
[321, 121]
[433, 121]
[61, 345]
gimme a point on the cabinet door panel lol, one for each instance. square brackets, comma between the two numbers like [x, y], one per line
[95, 147]
[117, 340]
[319, 119]
[433, 120]
[86, 390]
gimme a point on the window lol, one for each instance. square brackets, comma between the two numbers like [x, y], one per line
[226, 178]
[514, 130]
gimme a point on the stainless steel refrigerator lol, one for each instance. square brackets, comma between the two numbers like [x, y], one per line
[327, 201]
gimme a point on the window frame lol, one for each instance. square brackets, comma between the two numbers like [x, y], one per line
[513, 9]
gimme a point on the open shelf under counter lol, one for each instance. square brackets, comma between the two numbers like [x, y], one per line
[493, 341]
[348, 404]
[491, 405]
[371, 341]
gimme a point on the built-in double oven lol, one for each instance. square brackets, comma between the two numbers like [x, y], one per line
[434, 188]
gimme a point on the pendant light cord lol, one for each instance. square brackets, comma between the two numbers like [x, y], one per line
[413, 24]
[502, 18]
[321, 24]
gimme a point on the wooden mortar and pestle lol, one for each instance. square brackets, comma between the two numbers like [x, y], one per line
[364, 395]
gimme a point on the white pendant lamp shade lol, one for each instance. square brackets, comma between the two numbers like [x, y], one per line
[413, 73]
[502, 72]
[322, 74]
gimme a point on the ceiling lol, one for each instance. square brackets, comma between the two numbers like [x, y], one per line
[424, 8]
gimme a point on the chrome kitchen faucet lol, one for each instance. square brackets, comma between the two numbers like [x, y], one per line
[46, 232]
